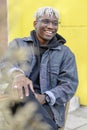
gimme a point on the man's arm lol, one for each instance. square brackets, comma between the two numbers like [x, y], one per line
[68, 81]
[9, 67]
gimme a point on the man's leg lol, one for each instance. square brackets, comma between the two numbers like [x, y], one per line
[45, 116]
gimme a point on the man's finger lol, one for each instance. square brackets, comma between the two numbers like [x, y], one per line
[31, 86]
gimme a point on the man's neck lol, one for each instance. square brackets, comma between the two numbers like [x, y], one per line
[42, 42]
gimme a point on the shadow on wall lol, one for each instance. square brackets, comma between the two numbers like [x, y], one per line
[3, 26]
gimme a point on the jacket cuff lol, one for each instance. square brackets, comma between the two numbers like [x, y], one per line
[52, 97]
[14, 70]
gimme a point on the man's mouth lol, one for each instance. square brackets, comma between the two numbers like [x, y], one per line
[48, 33]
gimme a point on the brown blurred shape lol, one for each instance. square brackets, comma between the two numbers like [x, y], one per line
[3, 26]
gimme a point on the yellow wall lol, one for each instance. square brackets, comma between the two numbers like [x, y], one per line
[73, 26]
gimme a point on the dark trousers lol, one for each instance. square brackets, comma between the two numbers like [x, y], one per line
[41, 110]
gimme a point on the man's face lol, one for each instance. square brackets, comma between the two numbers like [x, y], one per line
[46, 27]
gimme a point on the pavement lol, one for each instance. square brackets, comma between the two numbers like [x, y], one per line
[77, 119]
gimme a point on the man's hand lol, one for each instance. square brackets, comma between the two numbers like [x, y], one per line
[21, 84]
[40, 98]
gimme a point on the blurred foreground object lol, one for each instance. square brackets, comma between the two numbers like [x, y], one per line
[25, 117]
[3, 26]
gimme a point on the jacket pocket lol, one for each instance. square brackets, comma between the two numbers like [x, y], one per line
[53, 72]
[54, 69]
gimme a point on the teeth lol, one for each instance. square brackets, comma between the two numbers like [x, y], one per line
[49, 32]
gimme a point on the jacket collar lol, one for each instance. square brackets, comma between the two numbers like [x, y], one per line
[31, 40]
[28, 39]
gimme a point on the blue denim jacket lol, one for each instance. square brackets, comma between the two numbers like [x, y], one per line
[58, 76]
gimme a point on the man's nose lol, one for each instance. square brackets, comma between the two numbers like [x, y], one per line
[50, 24]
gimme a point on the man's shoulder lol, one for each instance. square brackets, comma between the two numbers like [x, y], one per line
[22, 41]
[25, 39]
[67, 50]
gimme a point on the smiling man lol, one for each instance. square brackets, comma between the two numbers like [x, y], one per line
[46, 27]
[51, 72]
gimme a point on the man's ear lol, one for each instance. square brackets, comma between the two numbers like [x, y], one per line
[35, 24]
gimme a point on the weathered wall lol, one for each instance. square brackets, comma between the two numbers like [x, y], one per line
[73, 26]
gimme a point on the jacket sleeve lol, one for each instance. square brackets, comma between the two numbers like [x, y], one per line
[18, 57]
[9, 61]
[67, 80]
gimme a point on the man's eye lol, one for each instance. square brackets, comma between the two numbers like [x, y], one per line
[55, 23]
[46, 21]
